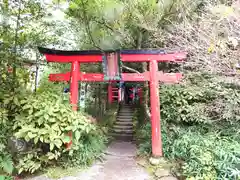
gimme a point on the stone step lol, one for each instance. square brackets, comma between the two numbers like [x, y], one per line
[127, 112]
[123, 126]
[126, 108]
[125, 115]
[123, 137]
[123, 131]
[125, 120]
[125, 123]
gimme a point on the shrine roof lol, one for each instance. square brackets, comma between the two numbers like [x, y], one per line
[99, 52]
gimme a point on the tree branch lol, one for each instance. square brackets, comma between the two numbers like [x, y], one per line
[130, 69]
[86, 21]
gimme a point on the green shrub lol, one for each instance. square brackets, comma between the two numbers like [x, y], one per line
[90, 148]
[6, 163]
[203, 156]
[200, 128]
[45, 121]
[207, 156]
[202, 99]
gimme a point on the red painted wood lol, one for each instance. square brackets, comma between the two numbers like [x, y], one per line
[135, 76]
[75, 71]
[173, 57]
[155, 110]
[112, 65]
[110, 93]
[69, 59]
[73, 91]
[169, 78]
[95, 77]
[98, 77]
[60, 77]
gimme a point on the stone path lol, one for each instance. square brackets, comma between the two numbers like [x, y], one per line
[119, 164]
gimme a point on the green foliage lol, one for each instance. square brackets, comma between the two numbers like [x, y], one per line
[45, 119]
[200, 155]
[6, 163]
[109, 116]
[144, 138]
[200, 128]
[90, 148]
[113, 24]
[202, 99]
[206, 156]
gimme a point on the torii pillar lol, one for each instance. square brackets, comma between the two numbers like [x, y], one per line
[155, 110]
[75, 71]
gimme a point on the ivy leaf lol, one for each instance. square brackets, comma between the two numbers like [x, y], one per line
[20, 134]
[35, 140]
[77, 135]
[27, 138]
[31, 135]
[27, 106]
[51, 146]
[20, 170]
[30, 111]
[68, 128]
[6, 101]
[50, 155]
[39, 113]
[40, 121]
[46, 116]
[58, 143]
[41, 138]
[23, 101]
[87, 129]
[15, 100]
[52, 120]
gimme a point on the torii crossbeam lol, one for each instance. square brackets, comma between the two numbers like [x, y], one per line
[138, 56]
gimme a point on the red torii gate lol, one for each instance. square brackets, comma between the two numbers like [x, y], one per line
[138, 56]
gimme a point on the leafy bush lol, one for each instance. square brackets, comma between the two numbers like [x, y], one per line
[202, 99]
[201, 156]
[90, 148]
[45, 122]
[6, 163]
[200, 128]
[206, 156]
[10, 106]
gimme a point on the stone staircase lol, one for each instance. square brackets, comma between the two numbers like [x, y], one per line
[123, 127]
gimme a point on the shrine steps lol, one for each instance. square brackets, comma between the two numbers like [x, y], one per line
[123, 127]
